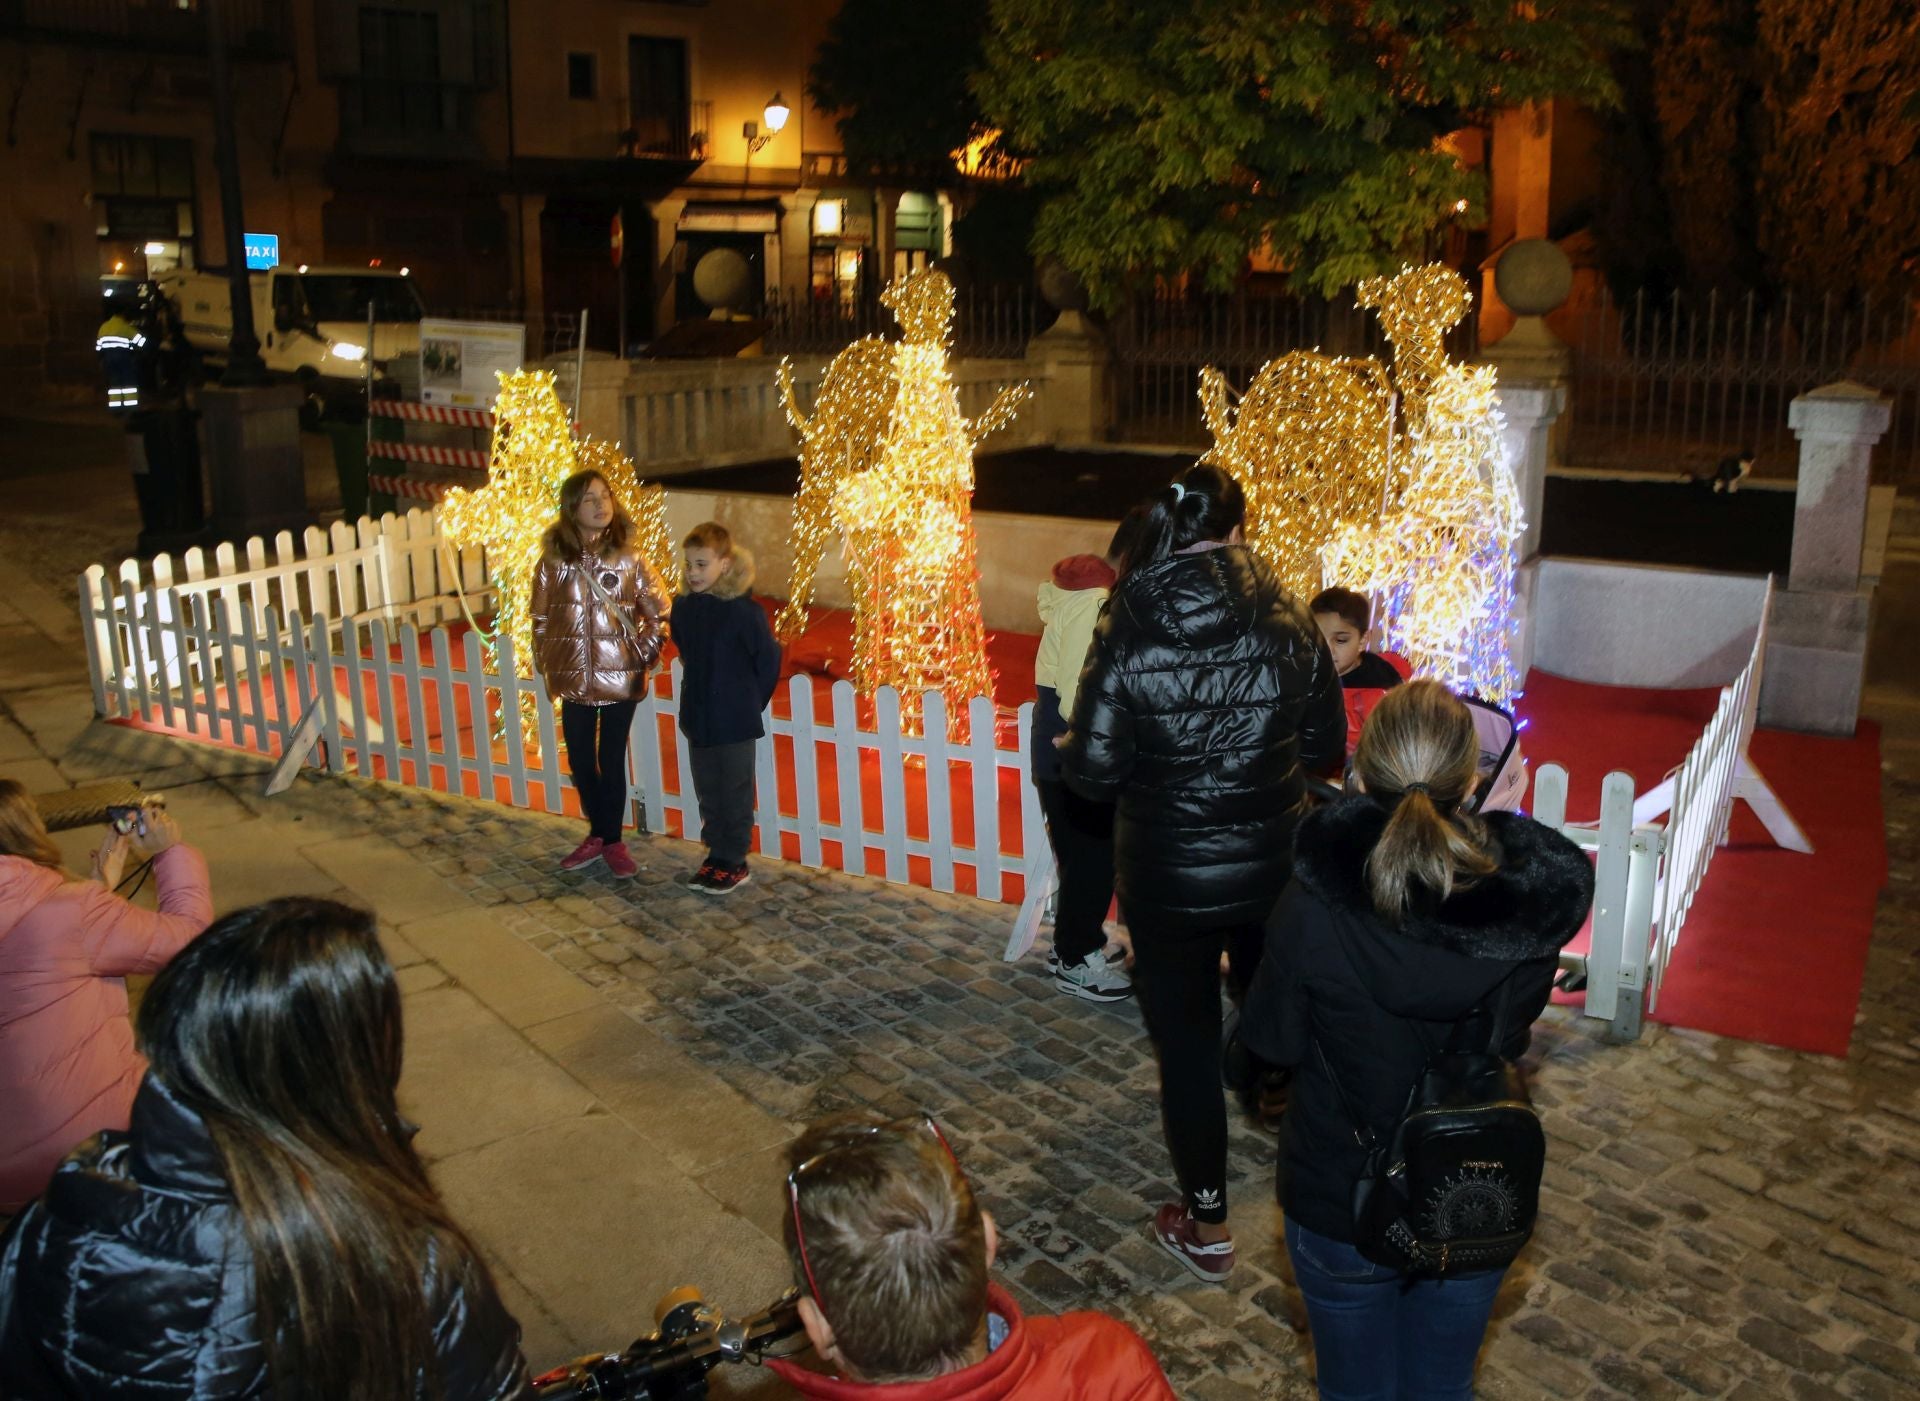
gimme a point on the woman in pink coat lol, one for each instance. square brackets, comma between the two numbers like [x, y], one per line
[67, 1064]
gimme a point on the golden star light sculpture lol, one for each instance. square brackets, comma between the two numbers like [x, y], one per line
[887, 462]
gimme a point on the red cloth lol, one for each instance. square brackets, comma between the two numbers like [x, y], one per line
[68, 1068]
[1087, 1356]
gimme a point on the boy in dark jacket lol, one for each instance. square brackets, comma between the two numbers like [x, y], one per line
[1345, 619]
[729, 666]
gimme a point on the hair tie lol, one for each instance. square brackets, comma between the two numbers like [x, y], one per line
[1416, 788]
[1179, 493]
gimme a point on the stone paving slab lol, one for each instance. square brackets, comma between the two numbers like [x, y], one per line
[450, 1036]
[514, 981]
[600, 1246]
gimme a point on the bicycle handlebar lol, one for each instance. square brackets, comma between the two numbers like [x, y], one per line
[673, 1363]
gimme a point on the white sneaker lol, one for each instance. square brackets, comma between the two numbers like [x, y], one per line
[1099, 978]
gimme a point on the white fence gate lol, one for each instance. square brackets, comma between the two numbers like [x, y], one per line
[1698, 799]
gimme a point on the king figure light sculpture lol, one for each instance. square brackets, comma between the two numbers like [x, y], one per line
[887, 462]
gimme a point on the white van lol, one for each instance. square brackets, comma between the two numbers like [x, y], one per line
[311, 321]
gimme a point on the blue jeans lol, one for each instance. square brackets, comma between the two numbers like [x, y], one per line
[1382, 1336]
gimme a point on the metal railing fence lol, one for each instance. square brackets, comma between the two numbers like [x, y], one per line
[1679, 384]
[1161, 341]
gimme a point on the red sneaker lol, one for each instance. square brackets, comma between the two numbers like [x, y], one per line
[723, 880]
[1173, 1229]
[619, 863]
[585, 854]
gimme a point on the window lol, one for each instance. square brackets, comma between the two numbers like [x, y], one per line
[154, 166]
[580, 76]
[399, 44]
[344, 297]
[657, 96]
[400, 89]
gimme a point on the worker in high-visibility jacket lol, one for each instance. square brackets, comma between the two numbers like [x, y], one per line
[121, 347]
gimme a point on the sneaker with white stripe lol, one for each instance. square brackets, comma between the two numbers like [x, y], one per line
[1099, 977]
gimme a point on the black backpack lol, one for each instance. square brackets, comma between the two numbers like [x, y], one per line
[1456, 1187]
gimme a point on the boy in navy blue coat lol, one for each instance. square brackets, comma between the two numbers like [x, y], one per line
[729, 666]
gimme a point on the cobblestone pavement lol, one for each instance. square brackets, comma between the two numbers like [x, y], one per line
[1719, 1219]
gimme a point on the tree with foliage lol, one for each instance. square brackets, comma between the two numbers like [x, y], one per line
[1838, 182]
[1170, 137]
[1781, 153]
[895, 79]
[1703, 78]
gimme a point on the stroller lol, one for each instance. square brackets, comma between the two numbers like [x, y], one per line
[1503, 765]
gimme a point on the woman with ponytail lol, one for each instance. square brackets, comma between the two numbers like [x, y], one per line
[1208, 694]
[265, 1227]
[1408, 923]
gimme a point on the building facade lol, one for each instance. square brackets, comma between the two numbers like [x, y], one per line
[491, 146]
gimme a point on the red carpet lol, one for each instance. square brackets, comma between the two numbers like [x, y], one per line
[1775, 947]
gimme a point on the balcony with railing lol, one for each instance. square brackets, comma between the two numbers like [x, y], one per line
[254, 28]
[408, 118]
[616, 129]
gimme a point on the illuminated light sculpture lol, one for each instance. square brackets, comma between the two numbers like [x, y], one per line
[1422, 517]
[533, 452]
[886, 461]
[1310, 444]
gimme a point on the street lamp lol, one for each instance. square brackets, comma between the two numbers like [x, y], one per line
[775, 115]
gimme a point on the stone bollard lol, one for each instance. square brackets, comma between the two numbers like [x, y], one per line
[1817, 641]
[1071, 364]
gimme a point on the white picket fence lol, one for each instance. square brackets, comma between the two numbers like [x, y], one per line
[1626, 872]
[1698, 797]
[396, 567]
[373, 695]
[316, 655]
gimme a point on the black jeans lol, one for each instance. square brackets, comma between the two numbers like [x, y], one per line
[596, 737]
[723, 783]
[1176, 976]
[1081, 831]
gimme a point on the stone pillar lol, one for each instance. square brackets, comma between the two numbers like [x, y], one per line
[666, 238]
[796, 243]
[1531, 407]
[1817, 639]
[1532, 279]
[1837, 426]
[255, 470]
[1070, 364]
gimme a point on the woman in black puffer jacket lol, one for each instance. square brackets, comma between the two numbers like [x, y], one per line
[1410, 926]
[264, 1228]
[1207, 697]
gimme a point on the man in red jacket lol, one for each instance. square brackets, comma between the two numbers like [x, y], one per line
[893, 1250]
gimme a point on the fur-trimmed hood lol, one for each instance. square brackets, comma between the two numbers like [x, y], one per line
[737, 582]
[1529, 908]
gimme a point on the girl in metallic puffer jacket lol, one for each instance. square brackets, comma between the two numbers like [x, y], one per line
[598, 609]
